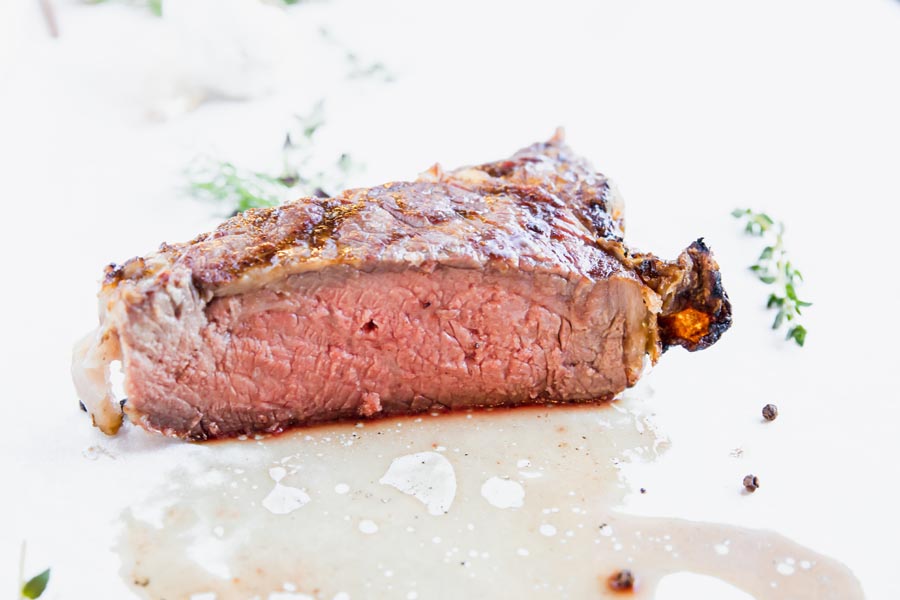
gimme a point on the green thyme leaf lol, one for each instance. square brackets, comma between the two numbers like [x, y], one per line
[798, 334]
[779, 319]
[35, 586]
[791, 293]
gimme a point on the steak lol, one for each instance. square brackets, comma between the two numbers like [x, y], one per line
[502, 284]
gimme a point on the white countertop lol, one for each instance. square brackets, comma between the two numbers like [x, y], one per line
[693, 108]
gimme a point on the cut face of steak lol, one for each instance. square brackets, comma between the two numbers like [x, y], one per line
[502, 284]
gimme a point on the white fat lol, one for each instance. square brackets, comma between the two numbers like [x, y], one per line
[471, 175]
[91, 360]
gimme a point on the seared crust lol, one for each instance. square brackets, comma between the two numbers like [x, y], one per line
[540, 210]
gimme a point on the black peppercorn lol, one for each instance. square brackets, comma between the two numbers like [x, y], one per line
[751, 483]
[621, 581]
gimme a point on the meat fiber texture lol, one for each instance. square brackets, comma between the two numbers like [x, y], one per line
[497, 285]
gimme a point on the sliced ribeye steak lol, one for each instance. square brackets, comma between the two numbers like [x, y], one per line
[501, 284]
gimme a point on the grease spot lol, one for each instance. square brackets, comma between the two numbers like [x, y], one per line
[427, 477]
[785, 568]
[176, 523]
[368, 526]
[548, 530]
[503, 493]
[284, 499]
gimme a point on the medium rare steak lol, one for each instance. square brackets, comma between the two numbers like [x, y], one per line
[502, 284]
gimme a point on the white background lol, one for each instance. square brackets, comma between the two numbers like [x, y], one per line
[693, 107]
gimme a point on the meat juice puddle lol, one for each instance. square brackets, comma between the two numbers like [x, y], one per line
[514, 503]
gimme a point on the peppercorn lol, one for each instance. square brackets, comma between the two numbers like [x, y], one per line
[621, 581]
[751, 483]
[770, 412]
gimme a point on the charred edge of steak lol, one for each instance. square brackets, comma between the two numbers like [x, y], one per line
[697, 311]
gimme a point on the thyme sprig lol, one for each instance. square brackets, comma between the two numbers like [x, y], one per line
[241, 189]
[773, 268]
[223, 182]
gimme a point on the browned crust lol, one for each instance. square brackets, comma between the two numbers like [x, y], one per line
[544, 189]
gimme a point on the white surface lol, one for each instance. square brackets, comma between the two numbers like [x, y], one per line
[693, 107]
